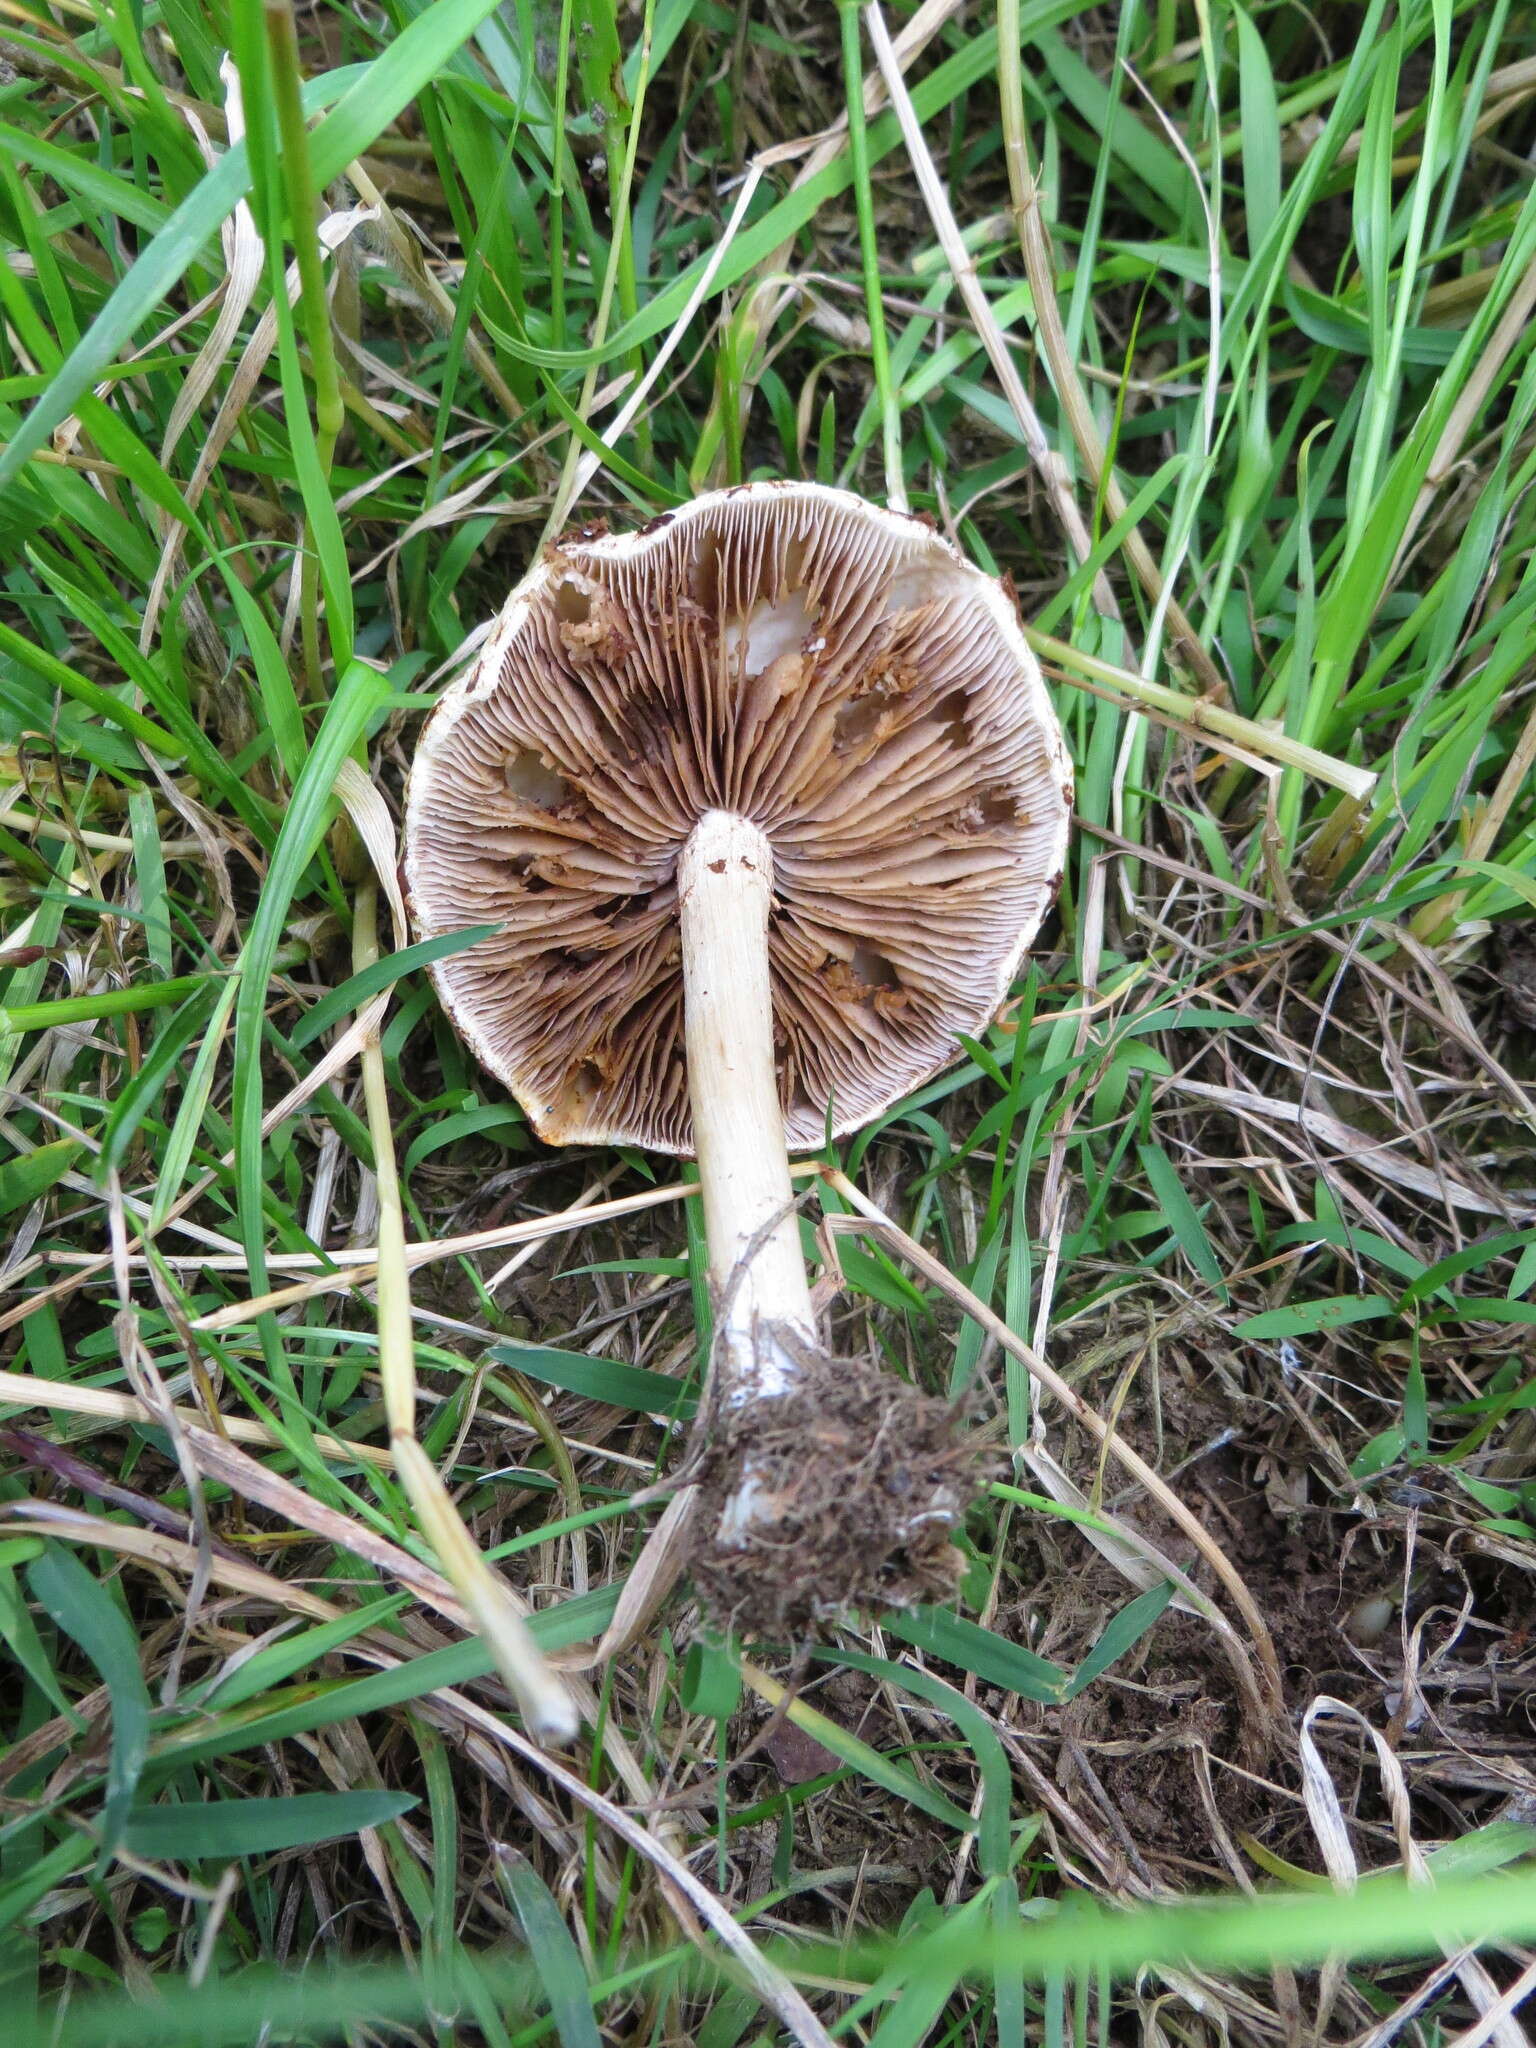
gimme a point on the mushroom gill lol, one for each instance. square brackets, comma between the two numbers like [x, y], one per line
[838, 676]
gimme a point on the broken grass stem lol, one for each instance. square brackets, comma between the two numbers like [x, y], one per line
[544, 1699]
[1200, 716]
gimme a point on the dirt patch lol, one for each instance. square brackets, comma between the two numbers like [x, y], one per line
[1377, 1593]
[1515, 971]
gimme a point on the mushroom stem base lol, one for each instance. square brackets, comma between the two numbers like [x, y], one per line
[842, 1492]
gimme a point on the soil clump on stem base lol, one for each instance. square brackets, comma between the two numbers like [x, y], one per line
[858, 1480]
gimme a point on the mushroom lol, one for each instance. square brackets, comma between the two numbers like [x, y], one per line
[766, 801]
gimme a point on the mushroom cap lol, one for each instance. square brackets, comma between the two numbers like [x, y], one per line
[835, 672]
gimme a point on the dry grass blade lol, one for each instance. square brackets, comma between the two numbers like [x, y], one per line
[144, 1376]
[770, 1984]
[23, 1390]
[254, 1482]
[420, 279]
[1514, 324]
[151, 1546]
[1376, 1156]
[650, 1579]
[1040, 268]
[590, 462]
[359, 1265]
[1496, 2019]
[1133, 1555]
[243, 259]
[1053, 1191]
[1332, 1831]
[1269, 1686]
[546, 1701]
[911, 40]
[332, 232]
[963, 270]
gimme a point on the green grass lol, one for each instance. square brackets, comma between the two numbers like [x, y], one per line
[1249, 1162]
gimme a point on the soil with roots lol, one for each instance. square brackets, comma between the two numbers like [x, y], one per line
[858, 1482]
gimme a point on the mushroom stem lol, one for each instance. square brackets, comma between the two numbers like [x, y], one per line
[725, 883]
